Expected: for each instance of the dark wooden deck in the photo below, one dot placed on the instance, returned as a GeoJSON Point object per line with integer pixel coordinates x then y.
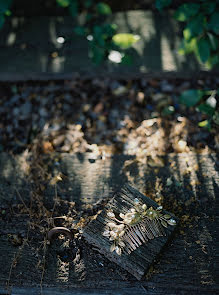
{"type": "Point", "coordinates": [187, 265]}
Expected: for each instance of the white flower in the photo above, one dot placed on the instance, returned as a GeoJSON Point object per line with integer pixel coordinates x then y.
{"type": "Point", "coordinates": [118, 250]}
{"type": "Point", "coordinates": [110, 214]}
{"type": "Point", "coordinates": [121, 233]}
{"type": "Point", "coordinates": [144, 206]}
{"type": "Point", "coordinates": [122, 215]}
{"type": "Point", "coordinates": [113, 234]}
{"type": "Point", "coordinates": [120, 227]}
{"type": "Point", "coordinates": [113, 247]}
{"type": "Point", "coordinates": [106, 233]}
{"type": "Point", "coordinates": [121, 244]}
{"type": "Point", "coordinates": [111, 225]}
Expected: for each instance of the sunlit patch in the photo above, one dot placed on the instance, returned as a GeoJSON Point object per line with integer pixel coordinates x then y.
{"type": "Point", "coordinates": [115, 56]}
{"type": "Point", "coordinates": [60, 40]}
{"type": "Point", "coordinates": [90, 38]}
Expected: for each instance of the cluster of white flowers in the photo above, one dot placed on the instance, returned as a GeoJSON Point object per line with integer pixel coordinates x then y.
{"type": "Point", "coordinates": [115, 231]}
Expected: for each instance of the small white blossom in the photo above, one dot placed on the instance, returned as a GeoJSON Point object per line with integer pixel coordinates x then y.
{"type": "Point", "coordinates": [111, 224]}
{"type": "Point", "coordinates": [106, 233]}
{"type": "Point", "coordinates": [121, 233]}
{"type": "Point", "coordinates": [122, 215]}
{"type": "Point", "coordinates": [118, 250]}
{"type": "Point", "coordinates": [121, 244]}
{"type": "Point", "coordinates": [112, 248]}
{"type": "Point", "coordinates": [110, 214]}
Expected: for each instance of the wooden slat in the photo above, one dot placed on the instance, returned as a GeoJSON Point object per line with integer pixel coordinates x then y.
{"type": "Point", "coordinates": [187, 265]}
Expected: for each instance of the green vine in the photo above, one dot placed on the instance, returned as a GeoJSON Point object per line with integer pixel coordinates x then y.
{"type": "Point", "coordinates": [201, 30]}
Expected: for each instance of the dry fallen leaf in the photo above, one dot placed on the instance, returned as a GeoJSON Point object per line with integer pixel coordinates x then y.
{"type": "Point", "coordinates": [47, 147]}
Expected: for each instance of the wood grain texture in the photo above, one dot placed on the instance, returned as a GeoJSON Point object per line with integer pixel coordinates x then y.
{"type": "Point", "coordinates": [187, 264]}
{"type": "Point", "coordinates": [138, 262]}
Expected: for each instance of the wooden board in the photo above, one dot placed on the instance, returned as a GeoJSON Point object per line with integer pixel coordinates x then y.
{"type": "Point", "coordinates": [186, 266]}
{"type": "Point", "coordinates": [139, 260]}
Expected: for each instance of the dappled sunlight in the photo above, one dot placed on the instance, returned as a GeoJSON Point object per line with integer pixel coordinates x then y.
{"type": "Point", "coordinates": [168, 61]}
{"type": "Point", "coordinates": [11, 39]}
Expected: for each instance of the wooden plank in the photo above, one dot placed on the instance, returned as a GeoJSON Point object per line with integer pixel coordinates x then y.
{"type": "Point", "coordinates": [138, 261]}
{"type": "Point", "coordinates": [187, 265]}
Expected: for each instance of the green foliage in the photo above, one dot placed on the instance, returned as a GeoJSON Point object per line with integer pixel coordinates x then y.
{"type": "Point", "coordinates": [160, 4]}
{"type": "Point", "coordinates": [214, 23]}
{"type": "Point", "coordinates": [63, 3]}
{"type": "Point", "coordinates": [204, 103]}
{"type": "Point", "coordinates": [186, 11]}
{"type": "Point", "coordinates": [103, 8]}
{"type": "Point", "coordinates": [125, 41]}
{"type": "Point", "coordinates": [201, 31]}
{"type": "Point", "coordinates": [191, 97]}
{"type": "Point", "coordinates": [203, 49]}
{"type": "Point", "coordinates": [4, 10]}
{"type": "Point", "coordinates": [101, 35]}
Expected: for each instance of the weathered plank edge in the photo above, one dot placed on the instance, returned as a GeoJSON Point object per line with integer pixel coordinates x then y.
{"type": "Point", "coordinates": [40, 76]}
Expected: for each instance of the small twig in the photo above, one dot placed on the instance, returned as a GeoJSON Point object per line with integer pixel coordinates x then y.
{"type": "Point", "coordinates": [28, 209]}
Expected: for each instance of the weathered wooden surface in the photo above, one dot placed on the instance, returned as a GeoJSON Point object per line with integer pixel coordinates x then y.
{"type": "Point", "coordinates": [188, 265]}
{"type": "Point", "coordinates": [139, 261]}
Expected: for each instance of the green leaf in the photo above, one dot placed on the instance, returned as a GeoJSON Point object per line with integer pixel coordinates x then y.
{"type": "Point", "coordinates": [97, 31]}
{"type": "Point", "coordinates": [206, 109]}
{"type": "Point", "coordinates": [127, 60]}
{"type": "Point", "coordinates": [216, 118]}
{"type": "Point", "coordinates": [97, 54]}
{"type": "Point", "coordinates": [213, 40]}
{"type": "Point", "coordinates": [109, 29]}
{"type": "Point", "coordinates": [125, 40]}
{"type": "Point", "coordinates": [203, 49]}
{"type": "Point", "coordinates": [213, 61]}
{"type": "Point", "coordinates": [103, 8]}
{"type": "Point", "coordinates": [185, 11]}
{"type": "Point", "coordinates": [8, 12]}
{"type": "Point", "coordinates": [80, 31]}
{"type": "Point", "coordinates": [214, 22]}
{"type": "Point", "coordinates": [73, 8]}
{"type": "Point", "coordinates": [196, 25]}
{"type": "Point", "coordinates": [208, 7]}
{"type": "Point", "coordinates": [63, 3]}
{"type": "Point", "coordinates": [191, 97]}
{"type": "Point", "coordinates": [187, 34]}
{"type": "Point", "coordinates": [4, 5]}
{"type": "Point", "coordinates": [205, 124]}
{"type": "Point", "coordinates": [88, 3]}
{"type": "Point", "coordinates": [160, 4]}
{"type": "Point", "coordinates": [168, 110]}
{"type": "Point", "coordinates": [187, 46]}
